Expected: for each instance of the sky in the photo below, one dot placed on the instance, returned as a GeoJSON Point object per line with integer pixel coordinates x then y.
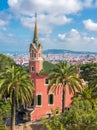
{"type": "Point", "coordinates": [62, 24]}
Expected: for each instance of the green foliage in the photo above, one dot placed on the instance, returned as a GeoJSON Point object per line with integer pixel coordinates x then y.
{"type": "Point", "coordinates": [47, 67]}
{"type": "Point", "coordinates": [64, 75]}
{"type": "Point", "coordinates": [88, 93]}
{"type": "Point", "coordinates": [18, 80]}
{"type": "Point", "coordinates": [2, 126]}
{"type": "Point", "coordinates": [5, 62]}
{"type": "Point", "coordinates": [89, 71]}
{"type": "Point", "coordinates": [53, 123]}
{"type": "Point", "coordinates": [5, 112]}
{"type": "Point", "coordinates": [81, 116]}
{"type": "Point", "coordinates": [26, 68]}
{"type": "Point", "coordinates": [5, 109]}
{"type": "Point", "coordinates": [16, 83]}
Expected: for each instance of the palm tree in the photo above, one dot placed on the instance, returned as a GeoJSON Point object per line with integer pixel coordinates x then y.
{"type": "Point", "coordinates": [16, 83]}
{"type": "Point", "coordinates": [64, 75]}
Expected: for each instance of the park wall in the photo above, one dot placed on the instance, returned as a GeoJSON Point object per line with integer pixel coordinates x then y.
{"type": "Point", "coordinates": [29, 126]}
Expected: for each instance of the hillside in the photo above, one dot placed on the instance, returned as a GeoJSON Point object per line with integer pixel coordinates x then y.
{"type": "Point", "coordinates": [62, 51]}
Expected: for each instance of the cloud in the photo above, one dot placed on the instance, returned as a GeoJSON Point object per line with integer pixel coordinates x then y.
{"type": "Point", "coordinates": [11, 43]}
{"type": "Point", "coordinates": [49, 6]}
{"type": "Point", "coordinates": [45, 22]}
{"type": "Point", "coordinates": [3, 23]}
{"type": "Point", "coordinates": [70, 37]}
{"type": "Point", "coordinates": [50, 12]}
{"type": "Point", "coordinates": [74, 40]}
{"type": "Point", "coordinates": [90, 25]}
{"type": "Point", "coordinates": [88, 3]}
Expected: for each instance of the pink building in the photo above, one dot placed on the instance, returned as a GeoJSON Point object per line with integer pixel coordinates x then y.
{"type": "Point", "coordinates": [43, 102]}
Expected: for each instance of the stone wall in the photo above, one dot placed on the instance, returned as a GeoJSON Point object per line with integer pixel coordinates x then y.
{"type": "Point", "coordinates": [30, 126]}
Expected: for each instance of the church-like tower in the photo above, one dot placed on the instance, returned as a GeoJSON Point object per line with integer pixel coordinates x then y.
{"type": "Point", "coordinates": [36, 60]}
{"type": "Point", "coordinates": [43, 102]}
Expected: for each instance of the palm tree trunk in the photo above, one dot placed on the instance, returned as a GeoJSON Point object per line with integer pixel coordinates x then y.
{"type": "Point", "coordinates": [63, 100]}
{"type": "Point", "coordinates": [13, 111]}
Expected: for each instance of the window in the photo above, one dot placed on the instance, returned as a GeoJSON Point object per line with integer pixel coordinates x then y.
{"type": "Point", "coordinates": [32, 68]}
{"type": "Point", "coordinates": [32, 103]}
{"type": "Point", "coordinates": [48, 115]}
{"type": "Point", "coordinates": [33, 54]}
{"type": "Point", "coordinates": [38, 100]}
{"type": "Point", "coordinates": [51, 99]}
{"type": "Point", "coordinates": [46, 81]}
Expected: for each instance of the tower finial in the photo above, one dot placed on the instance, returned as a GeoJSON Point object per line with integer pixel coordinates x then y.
{"type": "Point", "coordinates": [35, 16]}
{"type": "Point", "coordinates": [35, 38]}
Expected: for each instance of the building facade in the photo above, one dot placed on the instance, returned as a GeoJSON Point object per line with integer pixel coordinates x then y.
{"type": "Point", "coordinates": [43, 102]}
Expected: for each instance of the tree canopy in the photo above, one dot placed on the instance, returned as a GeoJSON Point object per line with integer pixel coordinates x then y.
{"type": "Point", "coordinates": [16, 84]}
{"type": "Point", "coordinates": [63, 75]}
{"type": "Point", "coordinates": [89, 71]}
{"type": "Point", "coordinates": [47, 67]}
{"type": "Point", "coordinates": [5, 62]}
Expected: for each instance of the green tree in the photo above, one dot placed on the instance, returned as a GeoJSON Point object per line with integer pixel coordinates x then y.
{"type": "Point", "coordinates": [16, 84]}
{"type": "Point", "coordinates": [47, 67]}
{"type": "Point", "coordinates": [4, 113]}
{"type": "Point", "coordinates": [88, 93]}
{"type": "Point", "coordinates": [88, 73]}
{"type": "Point", "coordinates": [54, 123]}
{"type": "Point", "coordinates": [81, 116]}
{"type": "Point", "coordinates": [64, 75]}
{"type": "Point", "coordinates": [5, 62]}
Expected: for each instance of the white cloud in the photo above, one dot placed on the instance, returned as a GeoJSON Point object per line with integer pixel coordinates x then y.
{"type": "Point", "coordinates": [90, 25]}
{"type": "Point", "coordinates": [88, 3]}
{"type": "Point", "coordinates": [74, 40]}
{"type": "Point", "coordinates": [51, 13]}
{"type": "Point", "coordinates": [61, 36]}
{"type": "Point", "coordinates": [49, 6]}
{"type": "Point", "coordinates": [45, 22]}
{"type": "Point", "coordinates": [70, 37]}
{"type": "Point", "coordinates": [3, 23]}
{"type": "Point", "coordinates": [11, 43]}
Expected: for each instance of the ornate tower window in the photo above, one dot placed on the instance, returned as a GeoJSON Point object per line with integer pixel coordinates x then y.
{"type": "Point", "coordinates": [32, 69]}
{"type": "Point", "coordinates": [33, 54]}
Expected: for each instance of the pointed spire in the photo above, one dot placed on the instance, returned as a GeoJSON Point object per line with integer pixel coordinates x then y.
{"type": "Point", "coordinates": [35, 38]}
